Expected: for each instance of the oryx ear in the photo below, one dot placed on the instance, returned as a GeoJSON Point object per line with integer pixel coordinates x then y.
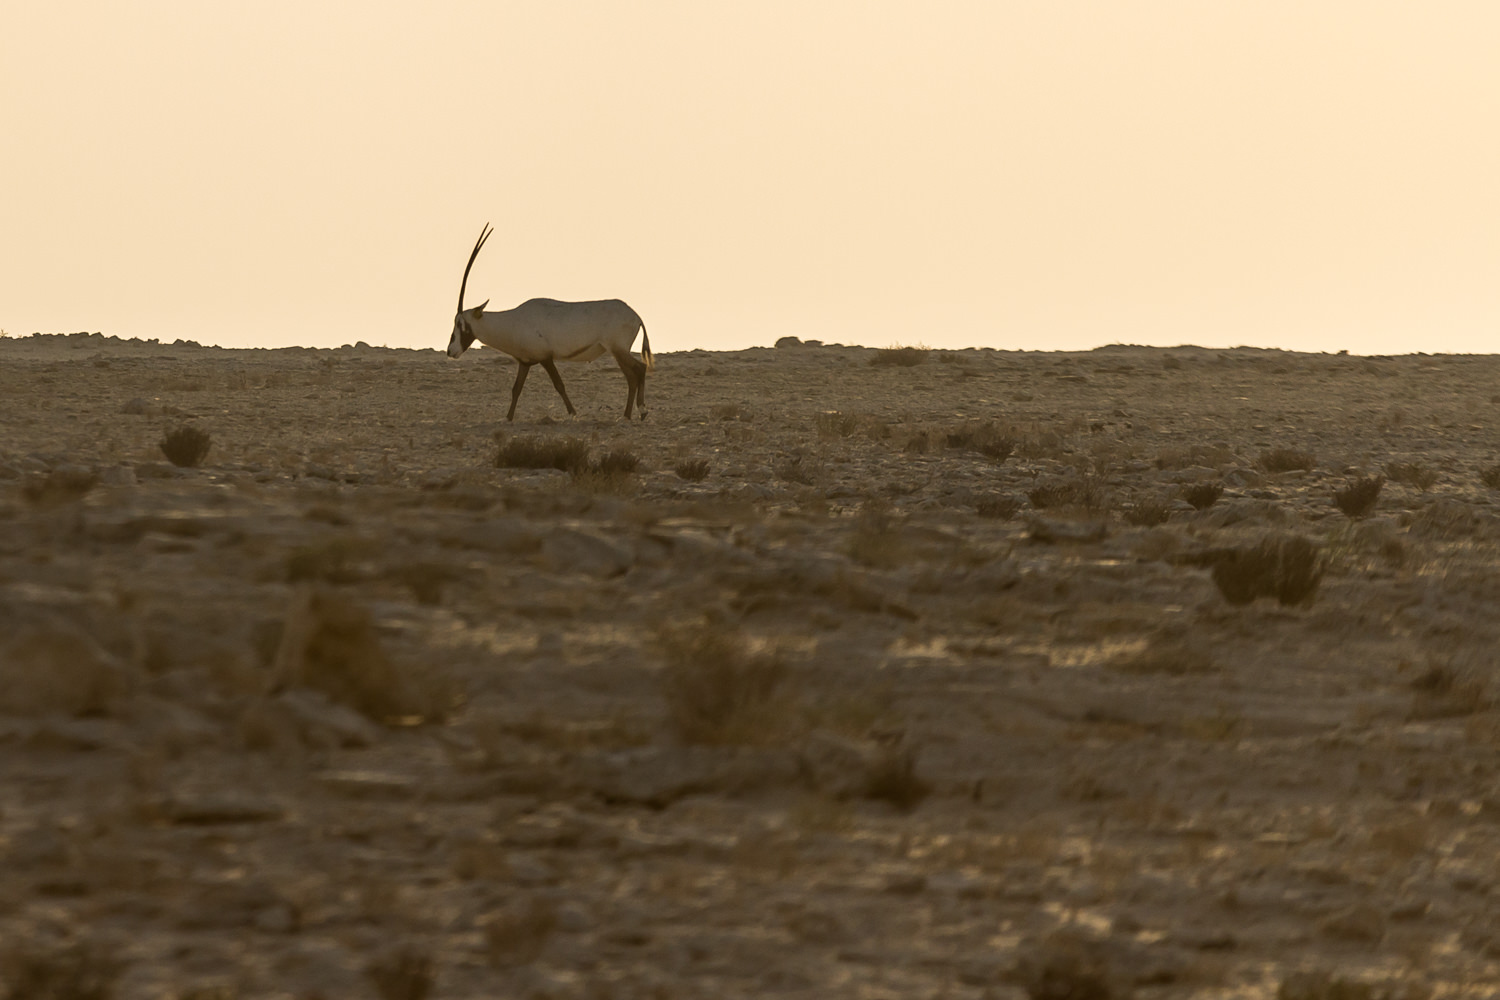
{"type": "Point", "coordinates": [479, 309]}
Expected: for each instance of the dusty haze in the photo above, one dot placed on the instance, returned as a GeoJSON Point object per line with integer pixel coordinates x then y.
{"type": "Point", "coordinates": [1014, 175]}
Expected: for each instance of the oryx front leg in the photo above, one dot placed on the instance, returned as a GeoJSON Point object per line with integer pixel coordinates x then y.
{"type": "Point", "coordinates": [522, 368]}
{"type": "Point", "coordinates": [557, 381]}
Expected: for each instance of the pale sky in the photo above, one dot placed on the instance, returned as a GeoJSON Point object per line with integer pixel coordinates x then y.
{"type": "Point", "coordinates": [1308, 174]}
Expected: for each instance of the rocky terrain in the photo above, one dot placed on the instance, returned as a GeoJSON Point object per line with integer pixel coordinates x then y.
{"type": "Point", "coordinates": [847, 673]}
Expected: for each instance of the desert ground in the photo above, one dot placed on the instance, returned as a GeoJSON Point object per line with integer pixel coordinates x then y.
{"type": "Point", "coordinates": [846, 673]}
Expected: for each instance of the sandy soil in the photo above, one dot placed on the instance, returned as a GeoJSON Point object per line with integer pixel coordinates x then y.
{"type": "Point", "coordinates": [348, 711]}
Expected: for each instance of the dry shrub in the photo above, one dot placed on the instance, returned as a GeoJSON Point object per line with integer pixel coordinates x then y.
{"type": "Point", "coordinates": [717, 690]}
{"type": "Point", "coordinates": [61, 485]}
{"type": "Point", "coordinates": [75, 972]}
{"type": "Point", "coordinates": [1044, 443]}
{"type": "Point", "coordinates": [405, 974]}
{"type": "Point", "coordinates": [609, 473]}
{"type": "Point", "coordinates": [1049, 495]}
{"type": "Point", "coordinates": [1087, 491]}
{"type": "Point", "coordinates": [1275, 460]}
{"type": "Point", "coordinates": [566, 453]}
{"type": "Point", "coordinates": [877, 540]}
{"type": "Point", "coordinates": [1210, 456]}
{"type": "Point", "coordinates": [1001, 508]}
{"type": "Point", "coordinates": [1203, 495]}
{"type": "Point", "coordinates": [1357, 498]}
{"type": "Point", "coordinates": [1147, 512]}
{"type": "Point", "coordinates": [1445, 691]}
{"type": "Point", "coordinates": [1450, 519]}
{"type": "Point", "coordinates": [1490, 477]}
{"type": "Point", "coordinates": [186, 446]}
{"type": "Point", "coordinates": [1286, 567]}
{"type": "Point", "coordinates": [901, 357]}
{"type": "Point", "coordinates": [987, 439]}
{"type": "Point", "coordinates": [800, 467]}
{"type": "Point", "coordinates": [330, 644]}
{"type": "Point", "coordinates": [694, 470]}
{"type": "Point", "coordinates": [1417, 474]}
{"type": "Point", "coordinates": [834, 423]}
{"type": "Point", "coordinates": [894, 779]}
{"type": "Point", "coordinates": [517, 935]}
{"type": "Point", "coordinates": [614, 463]}
{"type": "Point", "coordinates": [728, 411]}
{"type": "Point", "coordinates": [1069, 966]}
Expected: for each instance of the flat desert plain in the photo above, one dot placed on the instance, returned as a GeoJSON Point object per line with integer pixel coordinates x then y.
{"type": "Point", "coordinates": [964, 674]}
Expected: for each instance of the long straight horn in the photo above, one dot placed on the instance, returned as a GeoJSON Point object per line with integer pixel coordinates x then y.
{"type": "Point", "coordinates": [484, 235]}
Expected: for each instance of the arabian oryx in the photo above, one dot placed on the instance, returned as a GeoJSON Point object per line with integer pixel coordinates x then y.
{"type": "Point", "coordinates": [545, 331]}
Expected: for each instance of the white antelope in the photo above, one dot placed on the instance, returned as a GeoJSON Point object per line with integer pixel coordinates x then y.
{"type": "Point", "coordinates": [544, 331]}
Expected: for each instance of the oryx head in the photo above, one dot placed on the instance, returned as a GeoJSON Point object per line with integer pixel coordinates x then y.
{"type": "Point", "coordinates": [463, 322]}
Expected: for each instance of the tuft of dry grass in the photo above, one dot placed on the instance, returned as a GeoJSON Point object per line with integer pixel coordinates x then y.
{"type": "Point", "coordinates": [717, 690]}
{"type": "Point", "coordinates": [330, 644]}
{"type": "Point", "coordinates": [1147, 512]}
{"type": "Point", "coordinates": [59, 486]}
{"type": "Point", "coordinates": [901, 357]}
{"type": "Point", "coordinates": [800, 467]}
{"type": "Point", "coordinates": [986, 438]}
{"type": "Point", "coordinates": [1284, 566]}
{"type": "Point", "coordinates": [1417, 474]}
{"type": "Point", "coordinates": [693, 470]}
{"type": "Point", "coordinates": [1443, 691]}
{"type": "Point", "coordinates": [609, 473]}
{"type": "Point", "coordinates": [1001, 508]}
{"type": "Point", "coordinates": [404, 974]}
{"type": "Point", "coordinates": [1067, 966]}
{"type": "Point", "coordinates": [1276, 460]}
{"type": "Point", "coordinates": [566, 453]}
{"type": "Point", "coordinates": [893, 778]}
{"type": "Point", "coordinates": [1049, 495]}
{"type": "Point", "coordinates": [1203, 495]}
{"type": "Point", "coordinates": [1209, 456]}
{"type": "Point", "coordinates": [186, 446]}
{"type": "Point", "coordinates": [1357, 498]}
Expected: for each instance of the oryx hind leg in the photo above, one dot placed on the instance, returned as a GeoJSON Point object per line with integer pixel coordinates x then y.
{"type": "Point", "coordinates": [635, 379]}
{"type": "Point", "coordinates": [551, 368]}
